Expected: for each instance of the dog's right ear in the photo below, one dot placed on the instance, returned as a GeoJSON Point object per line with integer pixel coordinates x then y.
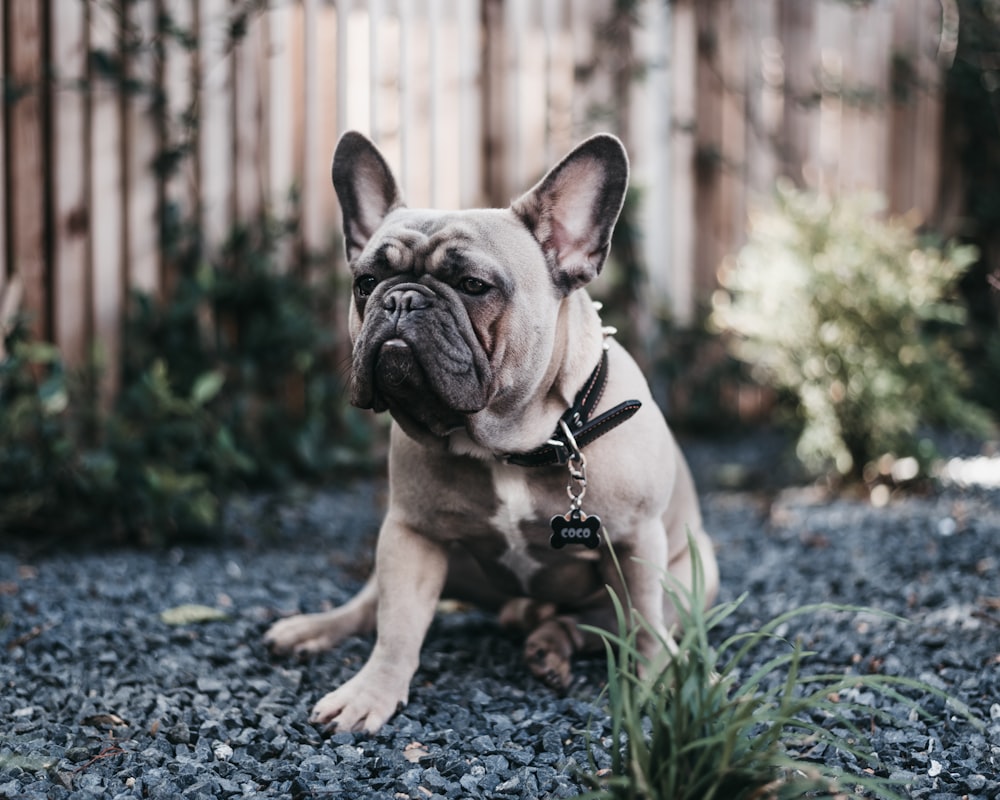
{"type": "Point", "coordinates": [365, 188]}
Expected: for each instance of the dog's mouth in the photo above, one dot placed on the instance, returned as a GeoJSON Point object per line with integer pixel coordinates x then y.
{"type": "Point", "coordinates": [399, 384]}
{"type": "Point", "coordinates": [397, 370]}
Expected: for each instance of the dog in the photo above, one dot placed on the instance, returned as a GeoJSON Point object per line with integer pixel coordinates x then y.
{"type": "Point", "coordinates": [511, 404]}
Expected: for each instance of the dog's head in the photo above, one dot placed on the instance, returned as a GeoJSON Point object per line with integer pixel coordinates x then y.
{"type": "Point", "coordinates": [453, 313]}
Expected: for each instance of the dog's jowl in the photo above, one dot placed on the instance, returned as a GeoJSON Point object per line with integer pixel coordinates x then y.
{"type": "Point", "coordinates": [473, 329]}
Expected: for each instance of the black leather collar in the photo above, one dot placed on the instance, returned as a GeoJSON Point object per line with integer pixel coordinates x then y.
{"type": "Point", "coordinates": [577, 418]}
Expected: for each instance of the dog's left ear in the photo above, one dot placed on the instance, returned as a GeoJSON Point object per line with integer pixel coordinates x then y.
{"type": "Point", "coordinates": [573, 209]}
{"type": "Point", "coordinates": [365, 188]}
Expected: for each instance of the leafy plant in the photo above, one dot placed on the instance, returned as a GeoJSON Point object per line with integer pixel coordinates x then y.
{"type": "Point", "coordinates": [152, 469]}
{"type": "Point", "coordinates": [272, 334]}
{"type": "Point", "coordinates": [711, 724]}
{"type": "Point", "coordinates": [848, 312]}
{"type": "Point", "coordinates": [228, 382]}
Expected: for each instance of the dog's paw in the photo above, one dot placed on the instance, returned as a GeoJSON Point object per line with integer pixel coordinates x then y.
{"type": "Point", "coordinates": [304, 634]}
{"type": "Point", "coordinates": [358, 705]}
{"type": "Point", "coordinates": [548, 651]}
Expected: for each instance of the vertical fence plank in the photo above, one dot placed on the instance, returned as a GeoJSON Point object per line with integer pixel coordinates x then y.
{"type": "Point", "coordinates": [866, 44]}
{"type": "Point", "coordinates": [765, 77]}
{"type": "Point", "coordinates": [342, 75]}
{"type": "Point", "coordinates": [71, 219]}
{"type": "Point", "coordinates": [407, 101]}
{"type": "Point", "coordinates": [654, 172]}
{"type": "Point", "coordinates": [142, 252]}
{"type": "Point", "coordinates": [249, 124]}
{"type": "Point", "coordinates": [27, 178]}
{"type": "Point", "coordinates": [928, 119]}
{"type": "Point", "coordinates": [515, 23]}
{"type": "Point", "coordinates": [469, 104]}
{"type": "Point", "coordinates": [731, 214]}
{"type": "Point", "coordinates": [434, 105]}
{"type": "Point", "coordinates": [709, 157]}
{"type": "Point", "coordinates": [178, 136]}
{"type": "Point", "coordinates": [385, 112]}
{"type": "Point", "coordinates": [215, 121]}
{"type": "Point", "coordinates": [311, 116]}
{"type": "Point", "coordinates": [560, 105]}
{"type": "Point", "coordinates": [376, 23]}
{"type": "Point", "coordinates": [106, 200]}
{"type": "Point", "coordinates": [494, 143]}
{"type": "Point", "coordinates": [796, 25]}
{"type": "Point", "coordinates": [834, 107]}
{"type": "Point", "coordinates": [279, 109]}
{"type": "Point", "coordinates": [684, 29]}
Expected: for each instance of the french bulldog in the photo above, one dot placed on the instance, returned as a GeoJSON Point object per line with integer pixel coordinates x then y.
{"type": "Point", "coordinates": [510, 404]}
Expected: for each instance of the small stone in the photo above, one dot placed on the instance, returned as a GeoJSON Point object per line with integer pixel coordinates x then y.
{"type": "Point", "coordinates": [222, 751]}
{"type": "Point", "coordinates": [349, 752]}
{"type": "Point", "coordinates": [509, 785]}
{"type": "Point", "coordinates": [179, 734]}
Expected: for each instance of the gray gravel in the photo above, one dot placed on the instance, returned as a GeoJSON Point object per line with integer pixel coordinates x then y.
{"type": "Point", "coordinates": [101, 698]}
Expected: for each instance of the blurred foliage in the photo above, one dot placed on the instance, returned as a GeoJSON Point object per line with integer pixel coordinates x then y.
{"type": "Point", "coordinates": [273, 335]}
{"type": "Point", "coordinates": [972, 150]}
{"type": "Point", "coordinates": [228, 383]}
{"type": "Point", "coordinates": [155, 470]}
{"type": "Point", "coordinates": [849, 313]}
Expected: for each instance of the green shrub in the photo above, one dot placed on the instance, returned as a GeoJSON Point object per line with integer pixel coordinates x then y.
{"type": "Point", "coordinates": [153, 469]}
{"type": "Point", "coordinates": [272, 333]}
{"type": "Point", "coordinates": [848, 312]}
{"type": "Point", "coordinates": [228, 383]}
{"type": "Point", "coordinates": [713, 723]}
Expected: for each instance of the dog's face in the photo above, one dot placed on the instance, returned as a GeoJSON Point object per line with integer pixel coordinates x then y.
{"type": "Point", "coordinates": [453, 313]}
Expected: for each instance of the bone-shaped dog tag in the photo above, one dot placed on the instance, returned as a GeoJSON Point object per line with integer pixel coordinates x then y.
{"type": "Point", "coordinates": [575, 527]}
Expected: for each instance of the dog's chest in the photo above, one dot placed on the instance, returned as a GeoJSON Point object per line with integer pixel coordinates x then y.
{"type": "Point", "coordinates": [515, 507]}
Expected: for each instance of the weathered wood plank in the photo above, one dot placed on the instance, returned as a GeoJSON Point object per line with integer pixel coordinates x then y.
{"type": "Point", "coordinates": [709, 157]}
{"type": "Point", "coordinates": [928, 122]}
{"type": "Point", "coordinates": [311, 115]}
{"type": "Point", "coordinates": [796, 148]}
{"type": "Point", "coordinates": [27, 161]}
{"type": "Point", "coordinates": [683, 164]}
{"type": "Point", "coordinates": [278, 110]}
{"type": "Point", "coordinates": [494, 142]}
{"type": "Point", "coordinates": [249, 122]}
{"type": "Point", "coordinates": [107, 207]}
{"type": "Point", "coordinates": [142, 146]}
{"type": "Point", "coordinates": [731, 214]}
{"type": "Point", "coordinates": [178, 73]}
{"type": "Point", "coordinates": [765, 77]}
{"type": "Point", "coordinates": [470, 105]}
{"type": "Point", "coordinates": [867, 66]}
{"type": "Point", "coordinates": [71, 216]}
{"type": "Point", "coordinates": [216, 169]}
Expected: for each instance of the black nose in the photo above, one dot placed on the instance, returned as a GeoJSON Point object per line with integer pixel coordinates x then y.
{"type": "Point", "coordinates": [406, 299]}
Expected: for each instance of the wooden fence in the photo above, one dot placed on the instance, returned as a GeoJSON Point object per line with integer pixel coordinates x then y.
{"type": "Point", "coordinates": [470, 100]}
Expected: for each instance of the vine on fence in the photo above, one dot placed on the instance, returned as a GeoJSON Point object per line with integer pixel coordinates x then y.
{"type": "Point", "coordinates": [230, 381]}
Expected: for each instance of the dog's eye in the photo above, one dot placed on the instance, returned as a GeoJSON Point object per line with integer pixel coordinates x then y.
{"type": "Point", "coordinates": [473, 286]}
{"type": "Point", "coordinates": [365, 285]}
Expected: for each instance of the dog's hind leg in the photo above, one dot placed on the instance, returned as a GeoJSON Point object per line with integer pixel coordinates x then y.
{"type": "Point", "coordinates": [553, 638]}
{"type": "Point", "coordinates": [312, 633]}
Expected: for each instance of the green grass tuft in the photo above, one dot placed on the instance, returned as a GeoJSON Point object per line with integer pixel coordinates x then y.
{"type": "Point", "coordinates": [710, 725]}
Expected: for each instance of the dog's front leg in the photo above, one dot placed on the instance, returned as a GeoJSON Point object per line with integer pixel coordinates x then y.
{"type": "Point", "coordinates": [643, 578]}
{"type": "Point", "coordinates": [410, 571]}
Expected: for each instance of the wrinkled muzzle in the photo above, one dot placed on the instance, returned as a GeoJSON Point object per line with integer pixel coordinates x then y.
{"type": "Point", "coordinates": [418, 355]}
